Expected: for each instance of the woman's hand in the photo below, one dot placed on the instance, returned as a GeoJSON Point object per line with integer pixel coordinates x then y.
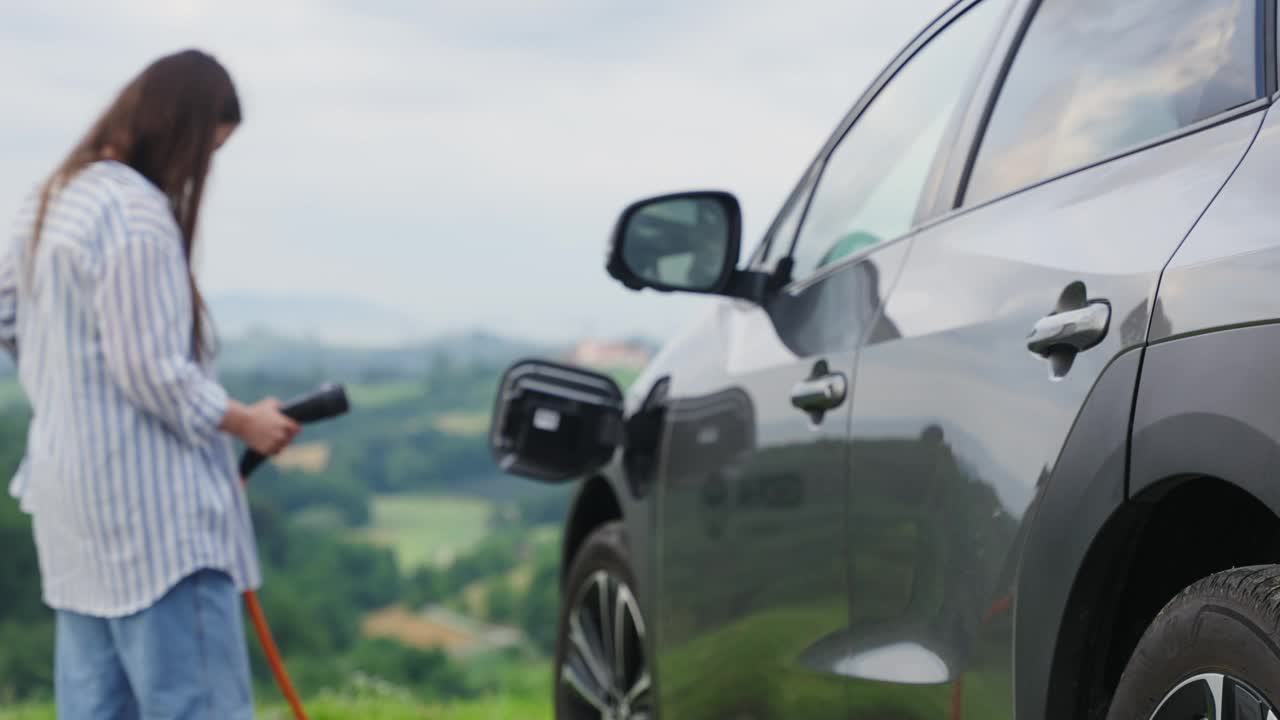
{"type": "Point", "coordinates": [261, 425]}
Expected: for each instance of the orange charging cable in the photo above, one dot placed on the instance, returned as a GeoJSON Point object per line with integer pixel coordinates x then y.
{"type": "Point", "coordinates": [325, 402]}
{"type": "Point", "coordinates": [272, 653]}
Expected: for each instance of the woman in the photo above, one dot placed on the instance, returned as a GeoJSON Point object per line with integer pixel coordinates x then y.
{"type": "Point", "coordinates": [140, 522]}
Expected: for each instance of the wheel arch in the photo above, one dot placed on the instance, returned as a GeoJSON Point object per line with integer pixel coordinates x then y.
{"type": "Point", "coordinates": [595, 504]}
{"type": "Point", "coordinates": [1202, 494]}
{"type": "Point", "coordinates": [1145, 553]}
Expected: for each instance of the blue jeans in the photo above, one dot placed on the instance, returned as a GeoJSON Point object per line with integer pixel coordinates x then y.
{"type": "Point", "coordinates": [183, 658]}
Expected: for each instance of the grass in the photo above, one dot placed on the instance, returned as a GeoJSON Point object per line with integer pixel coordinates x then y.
{"type": "Point", "coordinates": [28, 712]}
{"type": "Point", "coordinates": [524, 694]}
{"type": "Point", "coordinates": [393, 709]}
{"type": "Point", "coordinates": [340, 707]}
{"type": "Point", "coordinates": [427, 529]}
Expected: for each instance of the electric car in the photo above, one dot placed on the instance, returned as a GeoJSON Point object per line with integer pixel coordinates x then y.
{"type": "Point", "coordinates": [986, 426]}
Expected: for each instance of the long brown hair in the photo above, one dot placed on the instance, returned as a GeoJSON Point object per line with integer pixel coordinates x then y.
{"type": "Point", "coordinates": [163, 126]}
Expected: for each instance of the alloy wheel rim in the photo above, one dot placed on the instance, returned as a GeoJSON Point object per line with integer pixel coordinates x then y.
{"type": "Point", "coordinates": [604, 672]}
{"type": "Point", "coordinates": [1214, 696]}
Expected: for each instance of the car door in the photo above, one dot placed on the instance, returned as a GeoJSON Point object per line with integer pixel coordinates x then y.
{"type": "Point", "coordinates": [752, 500]}
{"type": "Point", "coordinates": [1112, 129]}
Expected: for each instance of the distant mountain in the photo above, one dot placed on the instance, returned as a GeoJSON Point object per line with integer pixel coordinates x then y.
{"type": "Point", "coordinates": [351, 339]}
{"type": "Point", "coordinates": [266, 353]}
{"type": "Point", "coordinates": [333, 320]}
{"type": "Point", "coordinates": [342, 337]}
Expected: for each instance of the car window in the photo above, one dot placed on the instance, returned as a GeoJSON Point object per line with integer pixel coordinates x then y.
{"type": "Point", "coordinates": [871, 184]}
{"type": "Point", "coordinates": [1094, 77]}
{"type": "Point", "coordinates": [778, 240]}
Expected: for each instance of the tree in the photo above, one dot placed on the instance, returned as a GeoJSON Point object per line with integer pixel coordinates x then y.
{"type": "Point", "coordinates": [502, 601]}
{"type": "Point", "coordinates": [426, 586]}
{"type": "Point", "coordinates": [539, 613]}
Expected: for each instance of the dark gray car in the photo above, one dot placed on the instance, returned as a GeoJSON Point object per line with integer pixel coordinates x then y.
{"type": "Point", "coordinates": [988, 425]}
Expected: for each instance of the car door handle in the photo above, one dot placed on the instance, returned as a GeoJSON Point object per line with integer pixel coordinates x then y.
{"type": "Point", "coordinates": [819, 394]}
{"type": "Point", "coordinates": [1072, 330]}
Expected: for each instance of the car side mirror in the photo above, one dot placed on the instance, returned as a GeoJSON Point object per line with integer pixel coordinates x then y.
{"type": "Point", "coordinates": [553, 422]}
{"type": "Point", "coordinates": [686, 242]}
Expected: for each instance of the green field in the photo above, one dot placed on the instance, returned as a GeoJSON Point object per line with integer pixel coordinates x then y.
{"type": "Point", "coordinates": [427, 529]}
{"type": "Point", "coordinates": [391, 709]}
{"type": "Point", "coordinates": [368, 396]}
{"type": "Point", "coordinates": [372, 708]}
{"type": "Point", "coordinates": [524, 697]}
{"type": "Point", "coordinates": [465, 424]}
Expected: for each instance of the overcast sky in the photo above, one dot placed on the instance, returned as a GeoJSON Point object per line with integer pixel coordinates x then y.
{"type": "Point", "coordinates": [461, 162]}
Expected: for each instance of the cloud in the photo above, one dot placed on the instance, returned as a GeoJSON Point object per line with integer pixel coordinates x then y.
{"type": "Point", "coordinates": [463, 161]}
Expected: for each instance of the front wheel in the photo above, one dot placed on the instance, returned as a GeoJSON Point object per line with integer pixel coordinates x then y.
{"type": "Point", "coordinates": [602, 670]}
{"type": "Point", "coordinates": [1213, 653]}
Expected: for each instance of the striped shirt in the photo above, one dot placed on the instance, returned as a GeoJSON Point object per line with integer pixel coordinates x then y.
{"type": "Point", "coordinates": [129, 483]}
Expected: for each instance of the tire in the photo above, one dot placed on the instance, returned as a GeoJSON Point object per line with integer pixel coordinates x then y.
{"type": "Point", "coordinates": [594, 678]}
{"type": "Point", "coordinates": [1223, 631]}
